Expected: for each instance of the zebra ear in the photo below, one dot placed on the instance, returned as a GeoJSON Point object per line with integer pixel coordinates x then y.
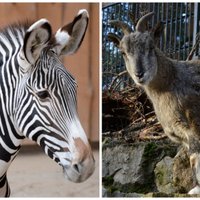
{"type": "Point", "coordinates": [35, 39]}
{"type": "Point", "coordinates": [69, 38]}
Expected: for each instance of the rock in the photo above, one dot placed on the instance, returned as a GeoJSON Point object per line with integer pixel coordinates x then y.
{"type": "Point", "coordinates": [105, 170]}
{"type": "Point", "coordinates": [133, 195]}
{"type": "Point", "coordinates": [164, 175]}
{"type": "Point", "coordinates": [174, 175]}
{"type": "Point", "coordinates": [104, 192]}
{"type": "Point", "coordinates": [121, 194]}
{"type": "Point", "coordinates": [158, 194]}
{"type": "Point", "coordinates": [161, 194]}
{"type": "Point", "coordinates": [129, 168]}
{"type": "Point", "coordinates": [118, 194]}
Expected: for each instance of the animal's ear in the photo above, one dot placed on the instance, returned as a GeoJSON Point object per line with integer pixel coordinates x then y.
{"type": "Point", "coordinates": [36, 38]}
{"type": "Point", "coordinates": [114, 38]}
{"type": "Point", "coordinates": [69, 38]}
{"type": "Point", "coordinates": [158, 30]}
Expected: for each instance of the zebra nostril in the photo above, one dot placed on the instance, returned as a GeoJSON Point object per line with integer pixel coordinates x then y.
{"type": "Point", "coordinates": [76, 167]}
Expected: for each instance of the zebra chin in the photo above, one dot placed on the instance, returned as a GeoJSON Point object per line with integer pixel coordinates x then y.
{"type": "Point", "coordinates": [79, 165]}
{"type": "Point", "coordinates": [78, 172]}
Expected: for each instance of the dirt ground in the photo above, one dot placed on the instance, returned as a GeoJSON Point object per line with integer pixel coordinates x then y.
{"type": "Point", "coordinates": [33, 174]}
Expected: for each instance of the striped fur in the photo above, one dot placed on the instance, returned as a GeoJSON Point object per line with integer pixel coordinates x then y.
{"type": "Point", "coordinates": [38, 101]}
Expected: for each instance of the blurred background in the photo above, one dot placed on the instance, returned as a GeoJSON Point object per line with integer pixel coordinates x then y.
{"type": "Point", "coordinates": [84, 66]}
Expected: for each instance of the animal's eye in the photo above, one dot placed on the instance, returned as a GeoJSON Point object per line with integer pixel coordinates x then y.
{"type": "Point", "coordinates": [43, 94]}
{"type": "Point", "coordinates": [123, 53]}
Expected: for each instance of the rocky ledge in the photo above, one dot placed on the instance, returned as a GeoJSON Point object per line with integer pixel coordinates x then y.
{"type": "Point", "coordinates": [146, 169]}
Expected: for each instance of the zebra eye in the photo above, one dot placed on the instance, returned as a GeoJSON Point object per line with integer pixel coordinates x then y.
{"type": "Point", "coordinates": [43, 94]}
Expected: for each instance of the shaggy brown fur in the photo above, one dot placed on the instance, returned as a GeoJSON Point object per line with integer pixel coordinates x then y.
{"type": "Point", "coordinates": [173, 87]}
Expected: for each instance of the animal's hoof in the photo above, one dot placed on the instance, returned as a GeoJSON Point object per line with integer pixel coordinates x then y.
{"type": "Point", "coordinates": [195, 190]}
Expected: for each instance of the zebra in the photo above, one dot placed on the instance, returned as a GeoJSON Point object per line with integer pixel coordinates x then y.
{"type": "Point", "coordinates": [39, 96]}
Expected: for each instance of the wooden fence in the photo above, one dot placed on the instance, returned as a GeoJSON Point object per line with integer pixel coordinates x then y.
{"type": "Point", "coordinates": [84, 65]}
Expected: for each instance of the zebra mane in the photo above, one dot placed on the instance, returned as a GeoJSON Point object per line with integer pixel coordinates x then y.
{"type": "Point", "coordinates": [15, 28]}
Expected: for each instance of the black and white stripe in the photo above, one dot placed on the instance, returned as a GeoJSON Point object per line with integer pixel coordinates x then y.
{"type": "Point", "coordinates": [37, 95]}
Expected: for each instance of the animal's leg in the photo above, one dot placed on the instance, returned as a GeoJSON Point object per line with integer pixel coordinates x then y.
{"type": "Point", "coordinates": [195, 165]}
{"type": "Point", "coordinates": [194, 150]}
{"type": "Point", "coordinates": [4, 187]}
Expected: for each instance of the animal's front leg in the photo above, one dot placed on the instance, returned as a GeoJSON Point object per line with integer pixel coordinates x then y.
{"type": "Point", "coordinates": [4, 186]}
{"type": "Point", "coordinates": [195, 165]}
{"type": "Point", "coordinates": [194, 151]}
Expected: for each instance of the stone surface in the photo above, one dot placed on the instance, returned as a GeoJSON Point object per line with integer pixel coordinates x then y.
{"type": "Point", "coordinates": [129, 168]}
{"type": "Point", "coordinates": [106, 193]}
{"type": "Point", "coordinates": [174, 175]}
{"type": "Point", "coordinates": [164, 175]}
{"type": "Point", "coordinates": [161, 194]}
{"type": "Point", "coordinates": [152, 167]}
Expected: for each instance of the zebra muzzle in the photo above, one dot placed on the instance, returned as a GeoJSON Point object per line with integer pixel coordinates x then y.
{"type": "Point", "coordinates": [79, 164]}
{"type": "Point", "coordinates": [79, 171]}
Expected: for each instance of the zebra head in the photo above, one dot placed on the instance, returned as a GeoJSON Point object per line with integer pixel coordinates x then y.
{"type": "Point", "coordinates": [46, 107]}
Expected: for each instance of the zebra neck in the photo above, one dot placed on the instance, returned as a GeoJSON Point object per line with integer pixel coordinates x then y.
{"type": "Point", "coordinates": [5, 161]}
{"type": "Point", "coordinates": [4, 186]}
{"type": "Point", "coordinates": [11, 42]}
{"type": "Point", "coordinates": [6, 158]}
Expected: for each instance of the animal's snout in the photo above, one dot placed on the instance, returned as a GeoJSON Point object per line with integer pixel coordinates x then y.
{"type": "Point", "coordinates": [139, 74]}
{"type": "Point", "coordinates": [77, 167]}
{"type": "Point", "coordinates": [83, 163]}
{"type": "Point", "coordinates": [80, 171]}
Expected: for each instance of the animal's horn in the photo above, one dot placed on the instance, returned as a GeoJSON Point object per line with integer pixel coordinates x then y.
{"type": "Point", "coordinates": [132, 17]}
{"type": "Point", "coordinates": [142, 22]}
{"type": "Point", "coordinates": [125, 27]}
{"type": "Point", "coordinates": [114, 38]}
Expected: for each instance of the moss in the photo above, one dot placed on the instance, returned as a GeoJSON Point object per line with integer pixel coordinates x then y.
{"type": "Point", "coordinates": [150, 149]}
{"type": "Point", "coordinates": [108, 184]}
{"type": "Point", "coordinates": [133, 188]}
{"type": "Point", "coordinates": [170, 149]}
{"type": "Point", "coordinates": [112, 189]}
{"type": "Point", "coordinates": [153, 152]}
{"type": "Point", "coordinates": [112, 186]}
{"type": "Point", "coordinates": [160, 177]}
{"type": "Point", "coordinates": [108, 181]}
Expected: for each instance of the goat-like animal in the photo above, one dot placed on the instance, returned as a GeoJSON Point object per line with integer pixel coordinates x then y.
{"type": "Point", "coordinates": [173, 86]}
